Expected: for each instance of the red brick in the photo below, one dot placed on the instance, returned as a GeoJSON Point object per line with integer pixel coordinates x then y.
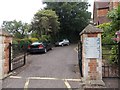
{"type": "Point", "coordinates": [102, 12]}
{"type": "Point", "coordinates": [92, 68]}
{"type": "Point", "coordinates": [92, 35]}
{"type": "Point", "coordinates": [6, 54]}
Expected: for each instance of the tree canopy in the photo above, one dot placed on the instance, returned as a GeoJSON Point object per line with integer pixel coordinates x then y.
{"type": "Point", "coordinates": [17, 28]}
{"type": "Point", "coordinates": [73, 17]}
{"type": "Point", "coordinates": [109, 30]}
{"type": "Point", "coordinates": [57, 21]}
{"type": "Point", "coordinates": [114, 16]}
{"type": "Point", "coordinates": [45, 22]}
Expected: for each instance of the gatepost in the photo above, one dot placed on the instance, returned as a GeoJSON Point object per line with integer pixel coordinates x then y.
{"type": "Point", "coordinates": [5, 39]}
{"type": "Point", "coordinates": [91, 56]}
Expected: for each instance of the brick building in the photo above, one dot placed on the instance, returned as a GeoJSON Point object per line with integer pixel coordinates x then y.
{"type": "Point", "coordinates": [100, 11]}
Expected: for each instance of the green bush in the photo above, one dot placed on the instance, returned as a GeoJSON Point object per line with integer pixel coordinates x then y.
{"type": "Point", "coordinates": [107, 35]}
{"type": "Point", "coordinates": [14, 42]}
{"type": "Point", "coordinates": [33, 40]}
{"type": "Point", "coordinates": [45, 38]}
{"type": "Point", "coordinates": [27, 41]}
{"type": "Point", "coordinates": [113, 56]}
{"type": "Point", "coordinates": [21, 41]}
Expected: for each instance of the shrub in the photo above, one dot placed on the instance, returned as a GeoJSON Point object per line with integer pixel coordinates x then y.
{"type": "Point", "coordinates": [107, 35]}
{"type": "Point", "coordinates": [33, 40]}
{"type": "Point", "coordinates": [14, 42]}
{"type": "Point", "coordinates": [21, 41]}
{"type": "Point", "coordinates": [45, 38]}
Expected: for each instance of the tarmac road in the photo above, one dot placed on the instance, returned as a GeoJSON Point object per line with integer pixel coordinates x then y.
{"type": "Point", "coordinates": [56, 69]}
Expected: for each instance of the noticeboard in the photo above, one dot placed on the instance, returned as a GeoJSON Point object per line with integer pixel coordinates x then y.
{"type": "Point", "coordinates": [92, 47]}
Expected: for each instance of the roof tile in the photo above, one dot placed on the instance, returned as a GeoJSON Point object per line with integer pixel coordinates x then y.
{"type": "Point", "coordinates": [91, 29]}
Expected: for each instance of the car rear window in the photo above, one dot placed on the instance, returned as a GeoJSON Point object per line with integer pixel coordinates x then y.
{"type": "Point", "coordinates": [35, 43]}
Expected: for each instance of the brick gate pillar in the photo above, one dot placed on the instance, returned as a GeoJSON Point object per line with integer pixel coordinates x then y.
{"type": "Point", "coordinates": [5, 39]}
{"type": "Point", "coordinates": [91, 53]}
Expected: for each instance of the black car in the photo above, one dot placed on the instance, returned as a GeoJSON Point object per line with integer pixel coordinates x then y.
{"type": "Point", "coordinates": [39, 47]}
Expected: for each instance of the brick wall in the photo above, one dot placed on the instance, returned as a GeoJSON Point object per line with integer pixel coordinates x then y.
{"type": "Point", "coordinates": [115, 4]}
{"type": "Point", "coordinates": [102, 12]}
{"type": "Point", "coordinates": [5, 39]}
{"type": "Point", "coordinates": [99, 14]}
{"type": "Point", "coordinates": [93, 69]}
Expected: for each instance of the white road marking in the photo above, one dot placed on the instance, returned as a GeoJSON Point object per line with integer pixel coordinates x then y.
{"type": "Point", "coordinates": [16, 77]}
{"type": "Point", "coordinates": [48, 78]}
{"type": "Point", "coordinates": [76, 80]}
{"type": "Point", "coordinates": [67, 85]}
{"type": "Point", "coordinates": [44, 78]}
{"type": "Point", "coordinates": [26, 84]}
{"type": "Point", "coordinates": [76, 49]}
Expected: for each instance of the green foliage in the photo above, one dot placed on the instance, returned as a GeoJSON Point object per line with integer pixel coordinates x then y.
{"type": "Point", "coordinates": [21, 44]}
{"type": "Point", "coordinates": [33, 40]}
{"type": "Point", "coordinates": [114, 15]}
{"type": "Point", "coordinates": [16, 28]}
{"type": "Point", "coordinates": [21, 41]}
{"type": "Point", "coordinates": [110, 53]}
{"type": "Point", "coordinates": [45, 38]}
{"type": "Point", "coordinates": [108, 33]}
{"type": "Point", "coordinates": [113, 57]}
{"type": "Point", "coordinates": [14, 42]}
{"type": "Point", "coordinates": [45, 22]}
{"type": "Point", "coordinates": [109, 30]}
{"type": "Point", "coordinates": [73, 17]}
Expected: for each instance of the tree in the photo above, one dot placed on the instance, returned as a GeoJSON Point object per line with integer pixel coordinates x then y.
{"type": "Point", "coordinates": [108, 33]}
{"type": "Point", "coordinates": [45, 22]}
{"type": "Point", "coordinates": [73, 17]}
{"type": "Point", "coordinates": [114, 16]}
{"type": "Point", "coordinates": [16, 28]}
{"type": "Point", "coordinates": [109, 30]}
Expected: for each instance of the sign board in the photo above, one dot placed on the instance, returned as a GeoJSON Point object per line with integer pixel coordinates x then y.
{"type": "Point", "coordinates": [92, 47]}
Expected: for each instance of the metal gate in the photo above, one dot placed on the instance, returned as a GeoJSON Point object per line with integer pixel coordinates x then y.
{"type": "Point", "coordinates": [110, 53]}
{"type": "Point", "coordinates": [80, 57]}
{"type": "Point", "coordinates": [17, 56]}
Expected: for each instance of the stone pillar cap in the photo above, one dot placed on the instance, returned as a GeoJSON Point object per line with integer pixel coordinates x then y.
{"type": "Point", "coordinates": [91, 29]}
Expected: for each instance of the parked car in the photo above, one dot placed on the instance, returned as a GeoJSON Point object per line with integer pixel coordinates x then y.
{"type": "Point", "coordinates": [62, 42]}
{"type": "Point", "coordinates": [39, 47]}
